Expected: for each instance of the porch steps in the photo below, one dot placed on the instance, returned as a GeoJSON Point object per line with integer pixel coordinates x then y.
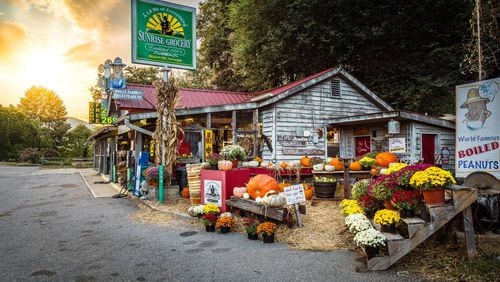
{"type": "Point", "coordinates": [418, 230]}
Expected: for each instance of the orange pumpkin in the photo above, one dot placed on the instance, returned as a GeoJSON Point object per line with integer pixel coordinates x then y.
{"type": "Point", "coordinates": [260, 184]}
{"type": "Point", "coordinates": [306, 161]}
{"type": "Point", "coordinates": [385, 158]}
{"type": "Point", "coordinates": [185, 192]}
{"type": "Point", "coordinates": [337, 163]}
{"type": "Point", "coordinates": [283, 165]}
{"type": "Point", "coordinates": [282, 185]}
{"type": "Point", "coordinates": [308, 191]}
{"type": "Point", "coordinates": [355, 166]}
{"type": "Point", "coordinates": [373, 171]}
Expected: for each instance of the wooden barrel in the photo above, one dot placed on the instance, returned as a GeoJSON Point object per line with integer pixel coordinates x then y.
{"type": "Point", "coordinates": [325, 189]}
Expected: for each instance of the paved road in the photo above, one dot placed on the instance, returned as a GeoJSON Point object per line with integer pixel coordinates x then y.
{"type": "Point", "coordinates": [53, 229]}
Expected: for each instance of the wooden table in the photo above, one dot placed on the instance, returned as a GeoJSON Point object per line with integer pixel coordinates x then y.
{"type": "Point", "coordinates": [279, 214]}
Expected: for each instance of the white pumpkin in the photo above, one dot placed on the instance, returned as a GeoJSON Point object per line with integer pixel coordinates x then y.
{"type": "Point", "coordinates": [329, 168]}
{"type": "Point", "coordinates": [226, 214]}
{"type": "Point", "coordinates": [239, 191]}
{"type": "Point", "coordinates": [318, 167]}
{"type": "Point", "coordinates": [244, 164]}
{"type": "Point", "coordinates": [246, 196]}
{"type": "Point", "coordinates": [273, 200]}
{"type": "Point", "coordinates": [258, 199]}
{"type": "Point", "coordinates": [253, 164]}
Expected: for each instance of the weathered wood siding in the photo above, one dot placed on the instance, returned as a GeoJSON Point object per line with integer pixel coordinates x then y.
{"type": "Point", "coordinates": [445, 137]}
{"type": "Point", "coordinates": [309, 109]}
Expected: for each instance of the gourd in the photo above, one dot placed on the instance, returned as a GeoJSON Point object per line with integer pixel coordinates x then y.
{"type": "Point", "coordinates": [305, 161]}
{"type": "Point", "coordinates": [272, 200]}
{"type": "Point", "coordinates": [355, 166]}
{"type": "Point", "coordinates": [385, 158]}
{"type": "Point", "coordinates": [260, 184]}
{"type": "Point", "coordinates": [239, 191]}
{"type": "Point", "coordinates": [318, 167]}
{"type": "Point", "coordinates": [185, 192]}
{"type": "Point", "coordinates": [337, 163]}
{"type": "Point", "coordinates": [225, 165]}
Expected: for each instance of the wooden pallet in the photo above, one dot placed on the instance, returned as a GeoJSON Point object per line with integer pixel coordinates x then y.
{"type": "Point", "coordinates": [419, 230]}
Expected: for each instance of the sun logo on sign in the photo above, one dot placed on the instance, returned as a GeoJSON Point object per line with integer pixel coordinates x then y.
{"type": "Point", "coordinates": [166, 24]}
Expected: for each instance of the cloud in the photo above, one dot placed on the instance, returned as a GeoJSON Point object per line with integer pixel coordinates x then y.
{"type": "Point", "coordinates": [87, 53]}
{"type": "Point", "coordinates": [104, 16]}
{"type": "Point", "coordinates": [12, 38]}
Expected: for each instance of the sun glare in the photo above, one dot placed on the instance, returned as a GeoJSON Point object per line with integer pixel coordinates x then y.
{"type": "Point", "coordinates": [45, 68]}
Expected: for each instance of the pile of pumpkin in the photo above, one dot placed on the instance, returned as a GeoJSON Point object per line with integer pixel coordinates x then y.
{"type": "Point", "coordinates": [265, 190]}
{"type": "Point", "coordinates": [371, 161]}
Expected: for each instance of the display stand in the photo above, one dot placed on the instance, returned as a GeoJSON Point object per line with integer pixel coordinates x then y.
{"type": "Point", "coordinates": [217, 185]}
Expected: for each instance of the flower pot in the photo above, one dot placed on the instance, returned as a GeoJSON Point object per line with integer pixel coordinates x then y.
{"type": "Point", "coordinates": [388, 228]}
{"type": "Point", "coordinates": [235, 163]}
{"type": "Point", "coordinates": [253, 236]}
{"type": "Point", "coordinates": [434, 196]}
{"type": "Point", "coordinates": [210, 228]}
{"type": "Point", "coordinates": [388, 205]}
{"type": "Point", "coordinates": [267, 238]}
{"type": "Point", "coordinates": [404, 213]}
{"type": "Point", "coordinates": [224, 230]}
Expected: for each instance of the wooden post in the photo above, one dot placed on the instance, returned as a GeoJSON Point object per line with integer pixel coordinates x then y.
{"type": "Point", "coordinates": [470, 240]}
{"type": "Point", "coordinates": [347, 186]}
{"type": "Point", "coordinates": [297, 214]}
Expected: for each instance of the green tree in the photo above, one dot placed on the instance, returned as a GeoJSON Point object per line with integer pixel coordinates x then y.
{"type": "Point", "coordinates": [42, 104]}
{"type": "Point", "coordinates": [18, 132]}
{"type": "Point", "coordinates": [146, 75]}
{"type": "Point", "coordinates": [95, 93]}
{"type": "Point", "coordinates": [77, 143]}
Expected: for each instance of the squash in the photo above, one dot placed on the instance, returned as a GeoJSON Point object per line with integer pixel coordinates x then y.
{"type": "Point", "coordinates": [306, 161]}
{"type": "Point", "coordinates": [246, 196]}
{"type": "Point", "coordinates": [225, 165]}
{"type": "Point", "coordinates": [226, 214]}
{"type": "Point", "coordinates": [271, 199]}
{"type": "Point", "coordinates": [283, 165]}
{"type": "Point", "coordinates": [337, 163]}
{"type": "Point", "coordinates": [308, 191]}
{"type": "Point", "coordinates": [260, 184]}
{"type": "Point", "coordinates": [329, 168]}
{"type": "Point", "coordinates": [253, 164]}
{"type": "Point", "coordinates": [385, 158]}
{"type": "Point", "coordinates": [318, 167]}
{"type": "Point", "coordinates": [239, 191]}
{"type": "Point", "coordinates": [282, 185]}
{"type": "Point", "coordinates": [355, 166]}
{"type": "Point", "coordinates": [185, 192]}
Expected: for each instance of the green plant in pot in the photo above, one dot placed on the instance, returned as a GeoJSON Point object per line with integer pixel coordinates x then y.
{"type": "Point", "coordinates": [233, 153]}
{"type": "Point", "coordinates": [251, 224]}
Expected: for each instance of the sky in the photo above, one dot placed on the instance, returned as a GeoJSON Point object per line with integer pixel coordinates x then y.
{"type": "Point", "coordinates": [58, 44]}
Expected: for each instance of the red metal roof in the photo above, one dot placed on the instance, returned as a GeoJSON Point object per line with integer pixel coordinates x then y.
{"type": "Point", "coordinates": [195, 98]}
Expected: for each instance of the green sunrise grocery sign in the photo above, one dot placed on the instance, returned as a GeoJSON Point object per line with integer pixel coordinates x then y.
{"type": "Point", "coordinates": [163, 34]}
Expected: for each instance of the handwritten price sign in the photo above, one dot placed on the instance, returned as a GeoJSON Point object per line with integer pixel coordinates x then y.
{"type": "Point", "coordinates": [294, 194]}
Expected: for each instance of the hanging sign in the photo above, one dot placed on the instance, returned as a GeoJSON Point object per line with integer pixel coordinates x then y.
{"type": "Point", "coordinates": [128, 94]}
{"type": "Point", "coordinates": [163, 34]}
{"type": "Point", "coordinates": [209, 141]}
{"type": "Point", "coordinates": [478, 133]}
{"type": "Point", "coordinates": [397, 145]}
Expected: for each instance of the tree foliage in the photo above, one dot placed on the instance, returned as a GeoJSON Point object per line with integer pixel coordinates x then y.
{"type": "Point", "coordinates": [42, 104]}
{"type": "Point", "coordinates": [407, 52]}
{"type": "Point", "coordinates": [143, 75]}
{"type": "Point", "coordinates": [77, 143]}
{"type": "Point", "coordinates": [18, 132]}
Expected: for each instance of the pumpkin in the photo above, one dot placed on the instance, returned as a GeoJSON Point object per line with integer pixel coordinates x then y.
{"type": "Point", "coordinates": [271, 199]}
{"type": "Point", "coordinates": [185, 192]}
{"type": "Point", "coordinates": [246, 196]}
{"type": "Point", "coordinates": [225, 165]}
{"type": "Point", "coordinates": [355, 166]}
{"type": "Point", "coordinates": [282, 185]}
{"type": "Point", "coordinates": [260, 184]}
{"type": "Point", "coordinates": [385, 158]}
{"type": "Point", "coordinates": [329, 168]}
{"type": "Point", "coordinates": [373, 171]}
{"type": "Point", "coordinates": [318, 167]}
{"type": "Point", "coordinates": [306, 161]}
{"type": "Point", "coordinates": [308, 191]}
{"type": "Point", "coordinates": [337, 163]}
{"type": "Point", "coordinates": [283, 165]}
{"type": "Point", "coordinates": [239, 191]}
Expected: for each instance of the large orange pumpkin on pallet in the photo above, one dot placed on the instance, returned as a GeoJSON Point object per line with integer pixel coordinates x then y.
{"type": "Point", "coordinates": [355, 166]}
{"type": "Point", "coordinates": [260, 184]}
{"type": "Point", "coordinates": [337, 163]}
{"type": "Point", "coordinates": [385, 158]}
{"type": "Point", "coordinates": [306, 161]}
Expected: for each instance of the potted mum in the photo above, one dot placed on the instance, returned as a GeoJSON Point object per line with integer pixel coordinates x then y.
{"type": "Point", "coordinates": [371, 240]}
{"type": "Point", "coordinates": [267, 230]}
{"type": "Point", "coordinates": [250, 224]}
{"type": "Point", "coordinates": [406, 201]}
{"type": "Point", "coordinates": [210, 216]}
{"type": "Point", "coordinates": [233, 153]}
{"type": "Point", "coordinates": [152, 174]}
{"type": "Point", "coordinates": [369, 205]}
{"type": "Point", "coordinates": [213, 159]}
{"type": "Point", "coordinates": [360, 188]}
{"type": "Point", "coordinates": [349, 207]}
{"type": "Point", "coordinates": [387, 220]}
{"type": "Point", "coordinates": [404, 175]}
{"type": "Point", "coordinates": [432, 181]}
{"type": "Point", "coordinates": [224, 224]}
{"type": "Point", "coordinates": [382, 189]}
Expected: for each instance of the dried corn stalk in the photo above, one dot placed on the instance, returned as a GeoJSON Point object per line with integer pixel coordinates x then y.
{"type": "Point", "coordinates": [167, 127]}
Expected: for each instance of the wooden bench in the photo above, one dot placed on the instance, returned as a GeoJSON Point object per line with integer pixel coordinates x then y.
{"type": "Point", "coordinates": [279, 214]}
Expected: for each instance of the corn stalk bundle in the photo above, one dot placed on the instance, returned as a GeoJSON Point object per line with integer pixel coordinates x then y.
{"type": "Point", "coordinates": [167, 127]}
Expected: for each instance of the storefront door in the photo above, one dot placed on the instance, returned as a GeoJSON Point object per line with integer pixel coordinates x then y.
{"type": "Point", "coordinates": [362, 145]}
{"type": "Point", "coordinates": [428, 148]}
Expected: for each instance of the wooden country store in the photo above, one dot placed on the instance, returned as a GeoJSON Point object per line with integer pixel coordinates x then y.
{"type": "Point", "coordinates": [327, 114]}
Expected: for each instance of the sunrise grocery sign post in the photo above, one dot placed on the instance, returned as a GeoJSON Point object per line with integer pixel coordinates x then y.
{"type": "Point", "coordinates": [163, 34]}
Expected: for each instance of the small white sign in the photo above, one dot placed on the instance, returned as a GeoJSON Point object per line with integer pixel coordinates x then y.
{"type": "Point", "coordinates": [397, 145]}
{"type": "Point", "coordinates": [294, 194]}
{"type": "Point", "coordinates": [212, 191]}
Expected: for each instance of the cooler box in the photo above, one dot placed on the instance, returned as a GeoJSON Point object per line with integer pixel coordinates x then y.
{"type": "Point", "coordinates": [217, 185]}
